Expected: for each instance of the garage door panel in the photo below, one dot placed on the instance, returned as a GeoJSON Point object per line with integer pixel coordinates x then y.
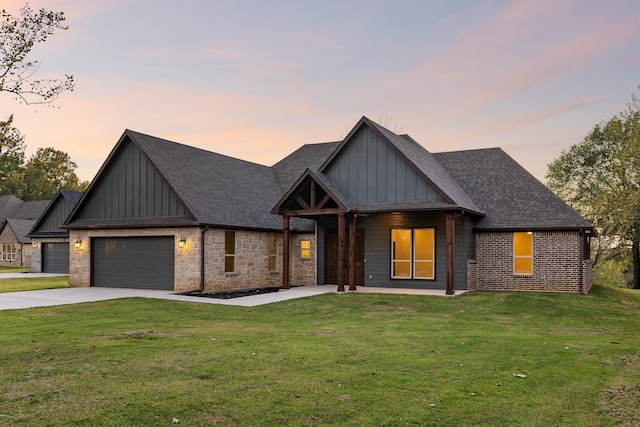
{"type": "Point", "coordinates": [55, 258]}
{"type": "Point", "coordinates": [134, 262]}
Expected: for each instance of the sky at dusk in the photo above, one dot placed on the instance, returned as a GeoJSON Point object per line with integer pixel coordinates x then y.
{"type": "Point", "coordinates": [257, 79]}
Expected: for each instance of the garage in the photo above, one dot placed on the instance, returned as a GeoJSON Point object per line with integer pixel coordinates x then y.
{"type": "Point", "coordinates": [55, 258]}
{"type": "Point", "coordinates": [133, 262]}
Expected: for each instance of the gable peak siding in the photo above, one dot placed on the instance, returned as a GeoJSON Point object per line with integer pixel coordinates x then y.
{"type": "Point", "coordinates": [54, 217]}
{"type": "Point", "coordinates": [368, 170]}
{"type": "Point", "coordinates": [131, 188]}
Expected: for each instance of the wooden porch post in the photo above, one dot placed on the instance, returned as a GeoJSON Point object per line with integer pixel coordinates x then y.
{"type": "Point", "coordinates": [285, 252]}
{"type": "Point", "coordinates": [450, 264]}
{"type": "Point", "coordinates": [352, 253]}
{"type": "Point", "coordinates": [341, 233]}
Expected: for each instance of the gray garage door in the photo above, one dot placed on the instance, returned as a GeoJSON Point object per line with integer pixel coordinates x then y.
{"type": "Point", "coordinates": [55, 258]}
{"type": "Point", "coordinates": [133, 262]}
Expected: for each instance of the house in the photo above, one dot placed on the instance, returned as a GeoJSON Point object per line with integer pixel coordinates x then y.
{"type": "Point", "coordinates": [50, 242]}
{"type": "Point", "coordinates": [375, 209]}
{"type": "Point", "coordinates": [15, 244]}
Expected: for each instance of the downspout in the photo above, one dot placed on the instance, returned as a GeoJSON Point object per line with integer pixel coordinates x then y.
{"type": "Point", "coordinates": [202, 246]}
{"type": "Point", "coordinates": [581, 236]}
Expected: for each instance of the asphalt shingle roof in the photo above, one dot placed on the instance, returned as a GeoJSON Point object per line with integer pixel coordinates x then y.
{"type": "Point", "coordinates": [21, 228]}
{"type": "Point", "coordinates": [223, 191]}
{"type": "Point", "coordinates": [309, 156]}
{"type": "Point", "coordinates": [30, 210]}
{"type": "Point", "coordinates": [510, 196]}
{"type": "Point", "coordinates": [8, 205]}
{"type": "Point", "coordinates": [218, 190]}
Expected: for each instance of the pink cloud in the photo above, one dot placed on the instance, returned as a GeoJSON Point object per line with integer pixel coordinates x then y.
{"type": "Point", "coordinates": [512, 52]}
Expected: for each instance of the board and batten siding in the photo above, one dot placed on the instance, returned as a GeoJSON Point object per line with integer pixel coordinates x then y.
{"type": "Point", "coordinates": [131, 188]}
{"type": "Point", "coordinates": [55, 216]}
{"type": "Point", "coordinates": [368, 170]}
{"type": "Point", "coordinates": [377, 248]}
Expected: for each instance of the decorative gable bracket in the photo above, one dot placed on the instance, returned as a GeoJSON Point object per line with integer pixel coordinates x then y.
{"type": "Point", "coordinates": [312, 194]}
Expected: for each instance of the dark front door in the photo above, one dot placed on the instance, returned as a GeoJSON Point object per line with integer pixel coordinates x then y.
{"type": "Point", "coordinates": [331, 258]}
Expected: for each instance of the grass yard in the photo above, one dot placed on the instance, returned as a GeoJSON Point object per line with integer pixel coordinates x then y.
{"type": "Point", "coordinates": [330, 360]}
{"type": "Point", "coordinates": [33, 283]}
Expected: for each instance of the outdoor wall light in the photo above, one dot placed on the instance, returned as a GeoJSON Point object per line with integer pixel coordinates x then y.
{"type": "Point", "coordinates": [35, 245]}
{"type": "Point", "coordinates": [78, 244]}
{"type": "Point", "coordinates": [182, 243]}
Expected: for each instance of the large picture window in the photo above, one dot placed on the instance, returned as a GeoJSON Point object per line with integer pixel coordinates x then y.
{"type": "Point", "coordinates": [413, 253]}
{"type": "Point", "coordinates": [523, 253]}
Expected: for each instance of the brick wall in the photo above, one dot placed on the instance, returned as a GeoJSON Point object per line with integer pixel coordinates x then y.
{"type": "Point", "coordinates": [557, 263]}
{"type": "Point", "coordinates": [251, 258]}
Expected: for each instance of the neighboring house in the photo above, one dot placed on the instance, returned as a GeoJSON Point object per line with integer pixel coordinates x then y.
{"type": "Point", "coordinates": [375, 209]}
{"type": "Point", "coordinates": [15, 244]}
{"type": "Point", "coordinates": [50, 242]}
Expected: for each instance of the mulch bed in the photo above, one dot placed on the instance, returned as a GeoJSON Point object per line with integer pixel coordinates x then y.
{"type": "Point", "coordinates": [231, 294]}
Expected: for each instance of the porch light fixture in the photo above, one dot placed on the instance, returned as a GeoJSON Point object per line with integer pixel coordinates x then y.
{"type": "Point", "coordinates": [35, 245]}
{"type": "Point", "coordinates": [182, 243]}
{"type": "Point", "coordinates": [78, 244]}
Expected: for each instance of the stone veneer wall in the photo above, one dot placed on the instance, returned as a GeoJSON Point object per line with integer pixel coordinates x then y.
{"type": "Point", "coordinates": [251, 258]}
{"type": "Point", "coordinates": [557, 263]}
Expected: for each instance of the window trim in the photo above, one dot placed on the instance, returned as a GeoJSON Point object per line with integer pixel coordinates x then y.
{"type": "Point", "coordinates": [516, 257]}
{"type": "Point", "coordinates": [412, 255]}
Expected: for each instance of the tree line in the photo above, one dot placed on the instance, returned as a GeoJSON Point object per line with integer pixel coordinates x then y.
{"type": "Point", "coordinates": [600, 178]}
{"type": "Point", "coordinates": [48, 170]}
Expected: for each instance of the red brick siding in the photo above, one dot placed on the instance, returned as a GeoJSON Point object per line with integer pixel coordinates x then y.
{"type": "Point", "coordinates": [557, 263]}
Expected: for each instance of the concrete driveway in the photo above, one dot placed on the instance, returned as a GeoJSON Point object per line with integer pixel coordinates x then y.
{"type": "Point", "coordinates": [50, 297]}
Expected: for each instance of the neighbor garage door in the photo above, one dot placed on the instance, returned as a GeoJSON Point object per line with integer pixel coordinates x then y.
{"type": "Point", "coordinates": [55, 258]}
{"type": "Point", "coordinates": [133, 262]}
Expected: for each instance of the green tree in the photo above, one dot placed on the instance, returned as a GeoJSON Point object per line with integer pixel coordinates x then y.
{"type": "Point", "coordinates": [11, 159]}
{"type": "Point", "coordinates": [47, 171]}
{"type": "Point", "coordinates": [600, 178]}
{"type": "Point", "coordinates": [18, 36]}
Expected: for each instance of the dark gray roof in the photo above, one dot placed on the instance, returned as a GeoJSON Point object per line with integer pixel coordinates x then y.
{"type": "Point", "coordinates": [21, 228]}
{"type": "Point", "coordinates": [8, 205]}
{"type": "Point", "coordinates": [218, 190]}
{"type": "Point", "coordinates": [72, 196]}
{"type": "Point", "coordinates": [510, 196]}
{"type": "Point", "coordinates": [309, 156]}
{"type": "Point", "coordinates": [30, 210]}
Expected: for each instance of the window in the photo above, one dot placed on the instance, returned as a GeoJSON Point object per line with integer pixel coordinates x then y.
{"type": "Point", "coordinates": [305, 249]}
{"type": "Point", "coordinates": [523, 253]}
{"type": "Point", "coordinates": [8, 252]}
{"type": "Point", "coordinates": [413, 253]}
{"type": "Point", "coordinates": [229, 251]}
{"type": "Point", "coordinates": [271, 263]}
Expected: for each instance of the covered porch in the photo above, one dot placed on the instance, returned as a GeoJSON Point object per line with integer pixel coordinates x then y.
{"type": "Point", "coordinates": [348, 234]}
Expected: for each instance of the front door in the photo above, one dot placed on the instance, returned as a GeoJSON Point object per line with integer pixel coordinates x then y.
{"type": "Point", "coordinates": [331, 258]}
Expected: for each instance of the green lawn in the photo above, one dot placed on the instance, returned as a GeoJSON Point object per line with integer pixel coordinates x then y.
{"type": "Point", "coordinates": [4, 269]}
{"type": "Point", "coordinates": [33, 284]}
{"type": "Point", "coordinates": [330, 360]}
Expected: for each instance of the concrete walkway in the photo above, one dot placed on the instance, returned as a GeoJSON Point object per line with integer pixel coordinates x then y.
{"type": "Point", "coordinates": [50, 297]}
